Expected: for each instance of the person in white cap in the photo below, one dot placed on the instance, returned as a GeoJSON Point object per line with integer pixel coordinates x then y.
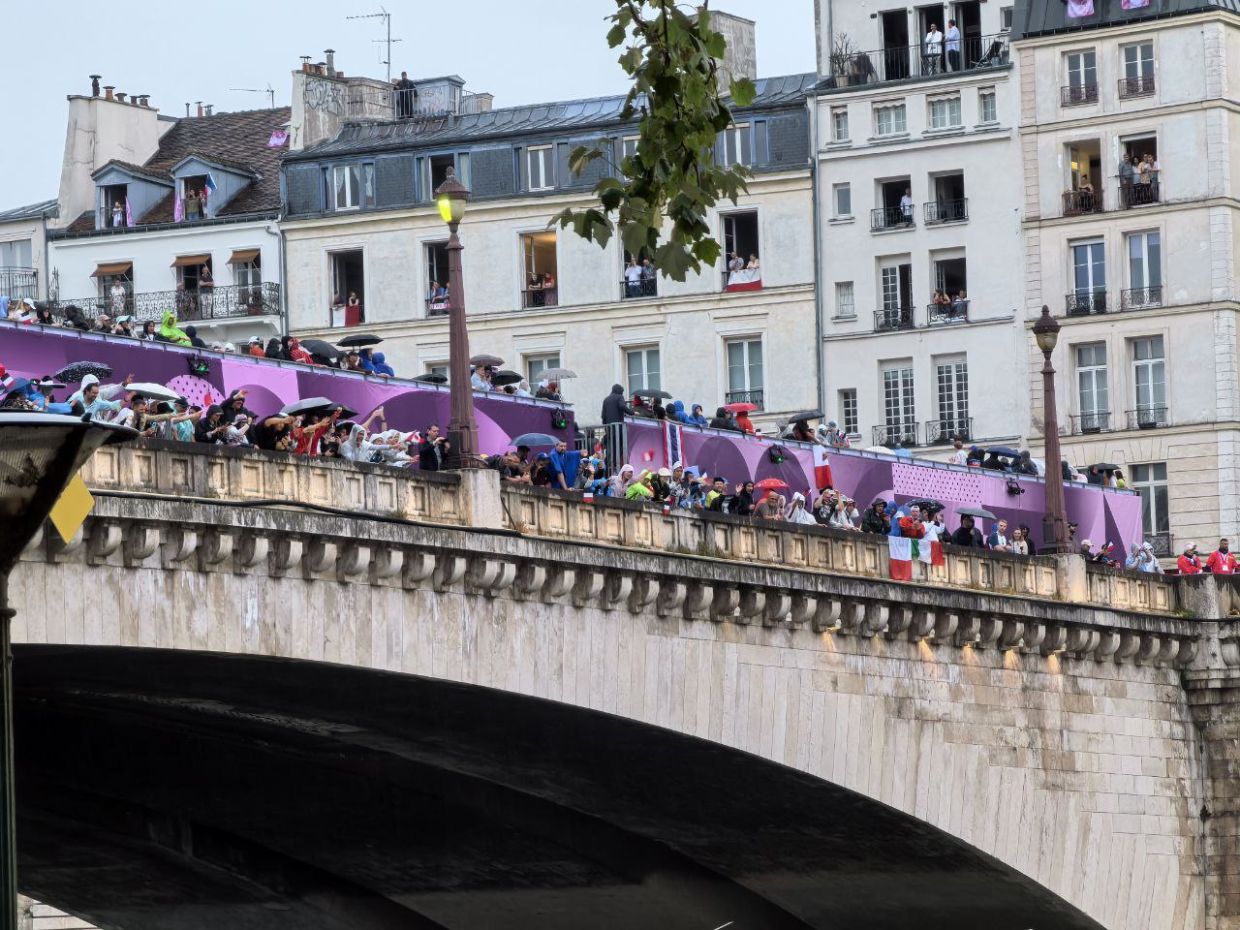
{"type": "Point", "coordinates": [1189, 563]}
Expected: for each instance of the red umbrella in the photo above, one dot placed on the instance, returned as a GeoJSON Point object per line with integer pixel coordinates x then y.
{"type": "Point", "coordinates": [740, 407]}
{"type": "Point", "coordinates": [771, 484]}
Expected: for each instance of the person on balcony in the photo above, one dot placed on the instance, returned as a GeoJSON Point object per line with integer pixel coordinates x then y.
{"type": "Point", "coordinates": [960, 305]}
{"type": "Point", "coordinates": [953, 46]}
{"type": "Point", "coordinates": [649, 288]}
{"type": "Point", "coordinates": [906, 207]}
{"type": "Point", "coordinates": [997, 541]}
{"type": "Point", "coordinates": [797, 512]}
{"type": "Point", "coordinates": [967, 534]}
{"type": "Point", "coordinates": [1221, 561]}
{"type": "Point", "coordinates": [193, 206]}
{"type": "Point", "coordinates": [697, 417]}
{"type": "Point", "coordinates": [1085, 194]}
{"type": "Point", "coordinates": [876, 519]}
{"type": "Point", "coordinates": [959, 456]}
{"type": "Point", "coordinates": [118, 214]}
{"type": "Point", "coordinates": [632, 279]}
{"type": "Point", "coordinates": [933, 49]}
{"type": "Point", "coordinates": [1189, 563]}
{"type": "Point", "coordinates": [116, 298]}
{"type": "Point", "coordinates": [406, 96]}
{"type": "Point", "coordinates": [170, 332]}
{"type": "Point", "coordinates": [1127, 172]}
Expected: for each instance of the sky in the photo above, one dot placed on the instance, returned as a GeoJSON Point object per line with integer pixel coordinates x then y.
{"type": "Point", "coordinates": [522, 52]}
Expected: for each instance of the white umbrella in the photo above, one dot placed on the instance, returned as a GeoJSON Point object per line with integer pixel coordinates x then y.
{"type": "Point", "coordinates": [879, 450]}
{"type": "Point", "coordinates": [153, 391]}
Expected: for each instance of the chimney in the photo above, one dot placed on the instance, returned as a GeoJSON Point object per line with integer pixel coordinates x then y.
{"type": "Point", "coordinates": [187, 109]}
{"type": "Point", "coordinates": [740, 59]}
{"type": "Point", "coordinates": [330, 55]}
{"type": "Point", "coordinates": [120, 96]}
{"type": "Point", "coordinates": [94, 84]}
{"type": "Point", "coordinates": [107, 90]}
{"type": "Point", "coordinates": [144, 100]}
{"type": "Point", "coordinates": [209, 108]}
{"type": "Point", "coordinates": [199, 105]}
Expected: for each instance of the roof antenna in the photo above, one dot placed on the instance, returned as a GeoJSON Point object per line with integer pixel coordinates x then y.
{"type": "Point", "coordinates": [387, 20]}
{"type": "Point", "coordinates": [271, 94]}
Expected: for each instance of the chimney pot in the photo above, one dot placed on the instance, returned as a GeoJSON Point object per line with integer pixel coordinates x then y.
{"type": "Point", "coordinates": [107, 91]}
{"type": "Point", "coordinates": [199, 103]}
{"type": "Point", "coordinates": [94, 84]}
{"type": "Point", "coordinates": [187, 109]}
{"type": "Point", "coordinates": [120, 96]}
{"type": "Point", "coordinates": [144, 100]}
{"type": "Point", "coordinates": [209, 107]}
{"type": "Point", "coordinates": [330, 55]}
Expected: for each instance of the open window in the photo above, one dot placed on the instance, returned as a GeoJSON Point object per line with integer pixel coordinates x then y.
{"type": "Point", "coordinates": [949, 204]}
{"type": "Point", "coordinates": [195, 197]}
{"type": "Point", "coordinates": [895, 287]}
{"type": "Point", "coordinates": [1083, 188]}
{"type": "Point", "coordinates": [895, 44]}
{"type": "Point", "coordinates": [195, 286]}
{"type": "Point", "coordinates": [115, 283]}
{"type": "Point", "coordinates": [434, 171]}
{"type": "Point", "coordinates": [949, 303]}
{"type": "Point", "coordinates": [348, 288]}
{"type": "Point", "coordinates": [895, 205]}
{"type": "Point", "coordinates": [638, 277]}
{"type": "Point", "coordinates": [436, 258]}
{"type": "Point", "coordinates": [353, 186]}
{"type": "Point", "coordinates": [247, 272]}
{"type": "Point", "coordinates": [743, 269]}
{"type": "Point", "coordinates": [539, 286]}
{"type": "Point", "coordinates": [1139, 171]}
{"type": "Point", "coordinates": [113, 200]}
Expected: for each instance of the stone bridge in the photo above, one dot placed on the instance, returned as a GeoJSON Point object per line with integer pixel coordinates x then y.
{"type": "Point", "coordinates": [259, 692]}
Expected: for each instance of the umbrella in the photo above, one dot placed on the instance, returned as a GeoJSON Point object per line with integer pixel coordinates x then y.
{"type": "Point", "coordinates": [771, 484]}
{"type": "Point", "coordinates": [151, 390]}
{"type": "Point", "coordinates": [878, 450]}
{"type": "Point", "coordinates": [1103, 466]}
{"type": "Point", "coordinates": [662, 395]}
{"type": "Point", "coordinates": [312, 404]}
{"type": "Point", "coordinates": [320, 348]}
{"type": "Point", "coordinates": [432, 379]}
{"type": "Point", "coordinates": [500, 378]}
{"type": "Point", "coordinates": [804, 415]}
{"type": "Point", "coordinates": [79, 370]}
{"type": "Point", "coordinates": [359, 341]}
{"type": "Point", "coordinates": [740, 407]}
{"type": "Point", "coordinates": [928, 504]}
{"type": "Point", "coordinates": [979, 512]}
{"type": "Point", "coordinates": [557, 374]}
{"type": "Point", "coordinates": [1004, 451]}
{"type": "Point", "coordinates": [534, 439]}
{"type": "Point", "coordinates": [18, 386]}
{"type": "Point", "coordinates": [486, 361]}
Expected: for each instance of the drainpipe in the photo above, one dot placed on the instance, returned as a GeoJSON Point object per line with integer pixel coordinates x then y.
{"type": "Point", "coordinates": [283, 275]}
{"type": "Point", "coordinates": [819, 350]}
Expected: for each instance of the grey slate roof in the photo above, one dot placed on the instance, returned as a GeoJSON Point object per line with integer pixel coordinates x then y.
{"type": "Point", "coordinates": [30, 211]}
{"type": "Point", "coordinates": [1045, 17]}
{"type": "Point", "coordinates": [565, 116]}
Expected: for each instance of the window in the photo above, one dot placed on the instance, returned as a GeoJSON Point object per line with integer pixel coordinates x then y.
{"type": "Point", "coordinates": [740, 251]}
{"type": "Point", "coordinates": [952, 376]}
{"type": "Point", "coordinates": [987, 109]}
{"type": "Point", "coordinates": [944, 112]}
{"type": "Point", "coordinates": [839, 124]}
{"type": "Point", "coordinates": [889, 120]}
{"type": "Point", "coordinates": [895, 283]}
{"type": "Point", "coordinates": [16, 254]}
{"type": "Point", "coordinates": [1092, 393]}
{"type": "Point", "coordinates": [899, 412]}
{"type": "Point", "coordinates": [1144, 269]}
{"type": "Point", "coordinates": [539, 287]}
{"type": "Point", "coordinates": [348, 281]}
{"type": "Point", "coordinates": [735, 145]}
{"type": "Point", "coordinates": [1149, 377]}
{"type": "Point", "coordinates": [1082, 68]}
{"type": "Point", "coordinates": [248, 276]}
{"type": "Point", "coordinates": [845, 303]}
{"type": "Point", "coordinates": [1150, 481]}
{"type": "Point", "coordinates": [895, 206]}
{"type": "Point", "coordinates": [1139, 61]}
{"type": "Point", "coordinates": [353, 186]}
{"type": "Point", "coordinates": [113, 205]}
{"type": "Point", "coordinates": [535, 365]}
{"type": "Point", "coordinates": [436, 267]}
{"type": "Point", "coordinates": [1005, 18]}
{"type": "Point", "coordinates": [841, 199]}
{"type": "Point", "coordinates": [628, 146]}
{"type": "Point", "coordinates": [440, 369]}
{"type": "Point", "coordinates": [434, 170]}
{"type": "Point", "coordinates": [848, 411]}
{"type": "Point", "coordinates": [745, 381]}
{"type": "Point", "coordinates": [539, 168]}
{"type": "Point", "coordinates": [643, 368]}
{"type": "Point", "coordinates": [1089, 277]}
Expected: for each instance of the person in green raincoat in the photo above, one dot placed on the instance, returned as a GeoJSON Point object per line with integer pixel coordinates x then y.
{"type": "Point", "coordinates": [169, 331]}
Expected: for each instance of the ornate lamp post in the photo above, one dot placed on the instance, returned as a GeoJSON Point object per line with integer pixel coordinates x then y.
{"type": "Point", "coordinates": [39, 454]}
{"type": "Point", "coordinates": [452, 196]}
{"type": "Point", "coordinates": [1055, 521]}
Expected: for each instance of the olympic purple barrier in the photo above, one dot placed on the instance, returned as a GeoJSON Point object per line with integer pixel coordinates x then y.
{"type": "Point", "coordinates": [1102, 515]}
{"type": "Point", "coordinates": [32, 351]}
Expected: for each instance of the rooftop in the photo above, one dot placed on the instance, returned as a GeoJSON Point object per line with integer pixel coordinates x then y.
{"type": "Point", "coordinates": [30, 211]}
{"type": "Point", "coordinates": [1034, 18]}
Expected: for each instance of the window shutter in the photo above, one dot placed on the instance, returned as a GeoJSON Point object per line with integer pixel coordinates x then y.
{"type": "Point", "coordinates": [760, 156]}
{"type": "Point", "coordinates": [523, 166]}
{"type": "Point", "coordinates": [305, 186]}
{"type": "Point", "coordinates": [720, 149]}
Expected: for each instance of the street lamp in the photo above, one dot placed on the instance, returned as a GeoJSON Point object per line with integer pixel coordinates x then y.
{"type": "Point", "coordinates": [39, 454]}
{"type": "Point", "coordinates": [1054, 521]}
{"type": "Point", "coordinates": [452, 196]}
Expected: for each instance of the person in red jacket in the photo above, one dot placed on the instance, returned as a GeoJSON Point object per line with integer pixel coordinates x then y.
{"type": "Point", "coordinates": [1189, 563]}
{"type": "Point", "coordinates": [1221, 561]}
{"type": "Point", "coordinates": [911, 526]}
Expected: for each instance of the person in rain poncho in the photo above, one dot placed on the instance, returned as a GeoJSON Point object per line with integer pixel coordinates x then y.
{"type": "Point", "coordinates": [797, 512]}
{"type": "Point", "coordinates": [168, 330]}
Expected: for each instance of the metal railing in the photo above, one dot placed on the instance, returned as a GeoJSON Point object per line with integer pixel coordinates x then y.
{"type": "Point", "coordinates": [437, 306]}
{"type": "Point", "coordinates": [1141, 298]}
{"type": "Point", "coordinates": [941, 314]}
{"type": "Point", "coordinates": [896, 434]}
{"type": "Point", "coordinates": [850, 68]}
{"type": "Point", "coordinates": [944, 432]}
{"type": "Point", "coordinates": [1083, 303]}
{"type": "Point", "coordinates": [946, 211]}
{"type": "Point", "coordinates": [1147, 418]}
{"type": "Point", "coordinates": [612, 438]}
{"type": "Point", "coordinates": [1084, 424]}
{"type": "Point", "coordinates": [215, 303]}
{"type": "Point", "coordinates": [1075, 95]}
{"type": "Point", "coordinates": [893, 319]}
{"type": "Point", "coordinates": [539, 297]}
{"type": "Point", "coordinates": [744, 397]}
{"type": "Point", "coordinates": [1135, 87]}
{"type": "Point", "coordinates": [1139, 193]}
{"type": "Point", "coordinates": [379, 102]}
{"type": "Point", "coordinates": [648, 286]}
{"type": "Point", "coordinates": [1076, 203]}
{"type": "Point", "coordinates": [1160, 543]}
{"type": "Point", "coordinates": [19, 282]}
{"type": "Point", "coordinates": [891, 218]}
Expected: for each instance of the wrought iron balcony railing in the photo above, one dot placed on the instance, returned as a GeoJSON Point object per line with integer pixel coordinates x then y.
{"type": "Point", "coordinates": [1148, 417]}
{"type": "Point", "coordinates": [1161, 543]}
{"type": "Point", "coordinates": [1141, 298]}
{"type": "Point", "coordinates": [1098, 421]}
{"type": "Point", "coordinates": [539, 297]}
{"type": "Point", "coordinates": [1130, 87]}
{"type": "Point", "coordinates": [850, 68]}
{"type": "Point", "coordinates": [744, 397]}
{"type": "Point", "coordinates": [882, 218]}
{"type": "Point", "coordinates": [893, 319]}
{"type": "Point", "coordinates": [1084, 303]}
{"type": "Point", "coordinates": [18, 283]}
{"type": "Point", "coordinates": [896, 434]}
{"type": "Point", "coordinates": [944, 432]}
{"type": "Point", "coordinates": [945, 211]}
{"type": "Point", "coordinates": [1077, 203]}
{"type": "Point", "coordinates": [648, 286]}
{"type": "Point", "coordinates": [1075, 95]}
{"type": "Point", "coordinates": [941, 314]}
{"type": "Point", "coordinates": [213, 303]}
{"type": "Point", "coordinates": [1138, 193]}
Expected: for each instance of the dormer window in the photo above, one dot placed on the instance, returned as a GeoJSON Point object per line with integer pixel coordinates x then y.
{"type": "Point", "coordinates": [112, 200]}
{"type": "Point", "coordinates": [353, 186]}
{"type": "Point", "coordinates": [194, 198]}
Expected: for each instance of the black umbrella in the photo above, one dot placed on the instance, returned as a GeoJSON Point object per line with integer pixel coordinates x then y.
{"type": "Point", "coordinates": [804, 415]}
{"type": "Point", "coordinates": [359, 341]}
{"type": "Point", "coordinates": [500, 378]}
{"type": "Point", "coordinates": [928, 504]}
{"type": "Point", "coordinates": [320, 348]}
{"type": "Point", "coordinates": [432, 379]}
{"type": "Point", "coordinates": [534, 439]}
{"type": "Point", "coordinates": [316, 405]}
{"type": "Point", "coordinates": [79, 370]}
{"type": "Point", "coordinates": [662, 395]}
{"type": "Point", "coordinates": [978, 512]}
{"type": "Point", "coordinates": [1004, 451]}
{"type": "Point", "coordinates": [486, 361]}
{"type": "Point", "coordinates": [1103, 466]}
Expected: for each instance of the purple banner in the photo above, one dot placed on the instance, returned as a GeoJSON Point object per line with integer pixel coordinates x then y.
{"type": "Point", "coordinates": [33, 351]}
{"type": "Point", "coordinates": [1101, 515]}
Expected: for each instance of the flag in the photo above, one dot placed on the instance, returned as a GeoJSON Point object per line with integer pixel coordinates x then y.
{"type": "Point", "coordinates": [178, 210]}
{"type": "Point", "coordinates": [822, 469]}
{"type": "Point", "coordinates": [71, 509]}
{"type": "Point", "coordinates": [903, 552]}
{"type": "Point", "coordinates": [673, 443]}
{"type": "Point", "coordinates": [1079, 8]}
{"type": "Point", "coordinates": [1134, 4]}
{"type": "Point", "coordinates": [209, 188]}
{"type": "Point", "coordinates": [279, 139]}
{"type": "Point", "coordinates": [128, 212]}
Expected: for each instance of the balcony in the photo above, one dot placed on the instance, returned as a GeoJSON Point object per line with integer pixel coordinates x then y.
{"type": "Point", "coordinates": [1079, 203]}
{"type": "Point", "coordinates": [1141, 298]}
{"type": "Point", "coordinates": [1160, 543]}
{"type": "Point", "coordinates": [1086, 303]}
{"type": "Point", "coordinates": [893, 319]}
{"type": "Point", "coordinates": [1139, 194]}
{"type": "Point", "coordinates": [744, 397]}
{"type": "Point", "coordinates": [437, 306]}
{"type": "Point", "coordinates": [215, 303]}
{"type": "Point", "coordinates": [887, 218]}
{"type": "Point", "coordinates": [1136, 87]}
{"type": "Point", "coordinates": [944, 314]}
{"type": "Point", "coordinates": [1075, 95]}
{"type": "Point", "coordinates": [851, 68]}
{"type": "Point", "coordinates": [945, 432]}
{"type": "Point", "coordinates": [539, 297]}
{"type": "Point", "coordinates": [636, 290]}
{"type": "Point", "coordinates": [1087, 424]}
{"type": "Point", "coordinates": [19, 282]}
{"type": "Point", "coordinates": [937, 212]}
{"type": "Point", "coordinates": [1148, 418]}
{"type": "Point", "coordinates": [896, 434]}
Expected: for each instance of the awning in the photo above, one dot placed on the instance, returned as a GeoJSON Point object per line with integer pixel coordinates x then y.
{"type": "Point", "coordinates": [244, 256]}
{"type": "Point", "coordinates": [103, 271]}
{"type": "Point", "coordinates": [181, 261]}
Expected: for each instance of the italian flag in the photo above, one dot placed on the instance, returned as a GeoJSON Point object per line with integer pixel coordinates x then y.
{"type": "Point", "coordinates": [904, 552]}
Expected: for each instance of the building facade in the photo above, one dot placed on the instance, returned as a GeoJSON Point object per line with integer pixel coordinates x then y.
{"type": "Point", "coordinates": [23, 250]}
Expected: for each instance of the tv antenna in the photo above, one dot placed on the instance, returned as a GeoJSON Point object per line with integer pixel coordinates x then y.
{"type": "Point", "coordinates": [384, 15]}
{"type": "Point", "coordinates": [271, 94]}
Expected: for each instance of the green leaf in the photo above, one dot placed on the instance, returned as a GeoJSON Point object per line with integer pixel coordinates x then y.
{"type": "Point", "coordinates": [743, 91]}
{"type": "Point", "coordinates": [674, 261]}
{"type": "Point", "coordinates": [616, 35]}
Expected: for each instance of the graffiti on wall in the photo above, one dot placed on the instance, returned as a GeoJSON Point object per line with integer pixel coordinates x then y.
{"type": "Point", "coordinates": [324, 96]}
